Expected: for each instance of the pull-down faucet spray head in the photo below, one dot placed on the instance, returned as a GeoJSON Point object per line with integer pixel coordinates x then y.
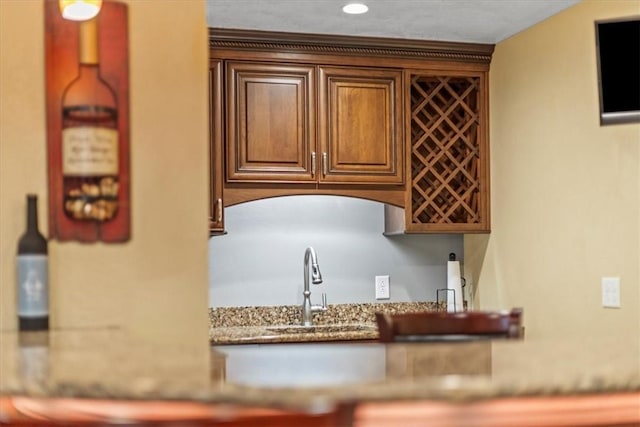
{"type": "Point", "coordinates": [316, 276]}
{"type": "Point", "coordinates": [310, 257]}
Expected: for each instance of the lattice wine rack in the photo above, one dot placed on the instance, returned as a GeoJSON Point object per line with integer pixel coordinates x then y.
{"type": "Point", "coordinates": [449, 158]}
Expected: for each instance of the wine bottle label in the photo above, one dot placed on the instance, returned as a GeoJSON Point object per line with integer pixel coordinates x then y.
{"type": "Point", "coordinates": [89, 151]}
{"type": "Point", "coordinates": [33, 286]}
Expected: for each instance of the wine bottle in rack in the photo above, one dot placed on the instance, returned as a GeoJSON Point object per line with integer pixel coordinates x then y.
{"type": "Point", "coordinates": [33, 273]}
{"type": "Point", "coordinates": [90, 158]}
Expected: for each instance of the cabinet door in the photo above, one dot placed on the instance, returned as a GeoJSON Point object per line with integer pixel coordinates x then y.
{"type": "Point", "coordinates": [449, 154]}
{"type": "Point", "coordinates": [361, 125]}
{"type": "Point", "coordinates": [270, 122]}
{"type": "Point", "coordinates": [216, 210]}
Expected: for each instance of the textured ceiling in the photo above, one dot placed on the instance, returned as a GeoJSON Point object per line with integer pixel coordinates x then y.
{"type": "Point", "coordinates": [480, 21]}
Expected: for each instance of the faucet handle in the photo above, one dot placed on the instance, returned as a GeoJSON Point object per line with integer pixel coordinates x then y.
{"type": "Point", "coordinates": [315, 308]}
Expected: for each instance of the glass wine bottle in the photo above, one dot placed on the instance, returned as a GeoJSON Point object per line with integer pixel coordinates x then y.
{"type": "Point", "coordinates": [33, 273]}
{"type": "Point", "coordinates": [89, 137]}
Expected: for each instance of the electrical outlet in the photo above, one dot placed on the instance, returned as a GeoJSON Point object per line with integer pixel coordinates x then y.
{"type": "Point", "coordinates": [611, 292]}
{"type": "Point", "coordinates": [382, 287]}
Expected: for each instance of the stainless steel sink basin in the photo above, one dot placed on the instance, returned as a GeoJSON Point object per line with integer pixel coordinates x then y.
{"type": "Point", "coordinates": [325, 329]}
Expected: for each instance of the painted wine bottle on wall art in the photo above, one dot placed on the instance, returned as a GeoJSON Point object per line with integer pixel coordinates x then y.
{"type": "Point", "coordinates": [88, 125]}
{"type": "Point", "coordinates": [89, 137]}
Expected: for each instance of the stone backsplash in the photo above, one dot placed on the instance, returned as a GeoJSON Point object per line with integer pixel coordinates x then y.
{"type": "Point", "coordinates": [290, 314]}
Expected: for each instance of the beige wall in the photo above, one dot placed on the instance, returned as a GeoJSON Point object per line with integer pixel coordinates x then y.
{"type": "Point", "coordinates": [565, 191]}
{"type": "Point", "coordinates": [155, 285]}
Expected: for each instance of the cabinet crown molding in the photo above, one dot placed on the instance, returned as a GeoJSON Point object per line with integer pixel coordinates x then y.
{"type": "Point", "coordinates": [223, 38]}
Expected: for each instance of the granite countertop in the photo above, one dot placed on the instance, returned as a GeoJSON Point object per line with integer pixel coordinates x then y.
{"type": "Point", "coordinates": [113, 364]}
{"type": "Point", "coordinates": [265, 334]}
{"type": "Point", "coordinates": [281, 324]}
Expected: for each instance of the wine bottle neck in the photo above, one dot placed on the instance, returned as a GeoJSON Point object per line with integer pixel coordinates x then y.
{"type": "Point", "coordinates": [88, 70]}
{"type": "Point", "coordinates": [32, 213]}
{"type": "Point", "coordinates": [88, 42]}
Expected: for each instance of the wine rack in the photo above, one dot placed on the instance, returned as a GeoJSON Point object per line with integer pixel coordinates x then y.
{"type": "Point", "coordinates": [448, 155]}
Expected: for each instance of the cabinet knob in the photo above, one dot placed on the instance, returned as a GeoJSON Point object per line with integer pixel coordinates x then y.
{"type": "Point", "coordinates": [220, 210]}
{"type": "Point", "coordinates": [313, 164]}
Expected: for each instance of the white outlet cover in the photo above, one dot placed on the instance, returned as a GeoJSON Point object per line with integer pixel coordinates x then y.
{"type": "Point", "coordinates": [611, 292]}
{"type": "Point", "coordinates": [382, 287]}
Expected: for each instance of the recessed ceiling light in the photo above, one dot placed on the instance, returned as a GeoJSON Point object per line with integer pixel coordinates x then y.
{"type": "Point", "coordinates": [355, 8]}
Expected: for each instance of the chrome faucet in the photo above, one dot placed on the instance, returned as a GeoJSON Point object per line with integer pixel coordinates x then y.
{"type": "Point", "coordinates": [316, 278]}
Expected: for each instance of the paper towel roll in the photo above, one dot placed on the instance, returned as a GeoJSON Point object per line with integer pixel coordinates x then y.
{"type": "Point", "coordinates": [454, 283]}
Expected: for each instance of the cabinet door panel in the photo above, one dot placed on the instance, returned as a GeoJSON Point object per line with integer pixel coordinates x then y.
{"type": "Point", "coordinates": [216, 209]}
{"type": "Point", "coordinates": [271, 122]}
{"type": "Point", "coordinates": [361, 125]}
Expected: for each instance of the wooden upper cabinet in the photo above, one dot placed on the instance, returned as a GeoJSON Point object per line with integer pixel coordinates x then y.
{"type": "Point", "coordinates": [360, 125]}
{"type": "Point", "coordinates": [402, 122]}
{"type": "Point", "coordinates": [270, 122]}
